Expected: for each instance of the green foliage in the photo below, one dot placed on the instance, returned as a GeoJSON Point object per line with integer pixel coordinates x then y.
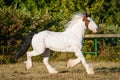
{"type": "Point", "coordinates": [18, 17]}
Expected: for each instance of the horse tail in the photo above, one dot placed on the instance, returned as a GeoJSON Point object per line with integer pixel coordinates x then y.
{"type": "Point", "coordinates": [25, 45]}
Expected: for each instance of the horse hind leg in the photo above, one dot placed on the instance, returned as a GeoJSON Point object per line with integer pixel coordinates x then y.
{"type": "Point", "coordinates": [46, 62]}
{"type": "Point", "coordinates": [29, 58]}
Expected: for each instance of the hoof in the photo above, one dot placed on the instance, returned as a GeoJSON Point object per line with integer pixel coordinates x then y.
{"type": "Point", "coordinates": [53, 71]}
{"type": "Point", "coordinates": [28, 65]}
{"type": "Point", "coordinates": [70, 64]}
{"type": "Point", "coordinates": [27, 68]}
{"type": "Point", "coordinates": [25, 62]}
{"type": "Point", "coordinates": [90, 70]}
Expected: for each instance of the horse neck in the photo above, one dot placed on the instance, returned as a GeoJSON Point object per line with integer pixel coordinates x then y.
{"type": "Point", "coordinates": [78, 30]}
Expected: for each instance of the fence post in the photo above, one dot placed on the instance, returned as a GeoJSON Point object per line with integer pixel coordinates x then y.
{"type": "Point", "coordinates": [96, 46]}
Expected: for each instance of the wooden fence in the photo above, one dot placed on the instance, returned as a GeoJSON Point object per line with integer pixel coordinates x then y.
{"type": "Point", "coordinates": [98, 36]}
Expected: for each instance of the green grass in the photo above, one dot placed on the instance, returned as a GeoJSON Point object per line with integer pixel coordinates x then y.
{"type": "Point", "coordinates": [103, 71]}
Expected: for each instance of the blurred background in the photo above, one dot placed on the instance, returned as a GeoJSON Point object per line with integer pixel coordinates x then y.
{"type": "Point", "coordinates": [19, 17]}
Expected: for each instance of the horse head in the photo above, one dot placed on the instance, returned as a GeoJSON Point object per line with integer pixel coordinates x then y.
{"type": "Point", "coordinates": [89, 23]}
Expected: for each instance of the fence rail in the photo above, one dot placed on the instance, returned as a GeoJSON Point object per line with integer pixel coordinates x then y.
{"type": "Point", "coordinates": [102, 35]}
{"type": "Point", "coordinates": [98, 36]}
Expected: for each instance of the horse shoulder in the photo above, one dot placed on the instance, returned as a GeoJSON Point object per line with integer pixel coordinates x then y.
{"type": "Point", "coordinates": [75, 42]}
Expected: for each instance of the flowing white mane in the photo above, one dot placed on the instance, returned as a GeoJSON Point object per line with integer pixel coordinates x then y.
{"type": "Point", "coordinates": [73, 20]}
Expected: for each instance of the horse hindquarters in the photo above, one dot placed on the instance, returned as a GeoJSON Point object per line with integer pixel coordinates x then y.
{"type": "Point", "coordinates": [38, 44]}
{"type": "Point", "coordinates": [38, 48]}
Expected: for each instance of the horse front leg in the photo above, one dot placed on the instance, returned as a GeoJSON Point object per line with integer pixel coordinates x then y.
{"type": "Point", "coordinates": [88, 68]}
{"type": "Point", "coordinates": [46, 62]}
{"type": "Point", "coordinates": [73, 62]}
{"type": "Point", "coordinates": [80, 57]}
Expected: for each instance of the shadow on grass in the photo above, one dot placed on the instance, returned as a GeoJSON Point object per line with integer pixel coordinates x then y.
{"type": "Point", "coordinates": [65, 71]}
{"type": "Point", "coordinates": [106, 69]}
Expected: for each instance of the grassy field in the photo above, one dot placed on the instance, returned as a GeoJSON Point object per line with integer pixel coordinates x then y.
{"type": "Point", "coordinates": [103, 71]}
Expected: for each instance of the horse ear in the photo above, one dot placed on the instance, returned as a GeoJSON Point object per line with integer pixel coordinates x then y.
{"type": "Point", "coordinates": [85, 17]}
{"type": "Point", "coordinates": [86, 14]}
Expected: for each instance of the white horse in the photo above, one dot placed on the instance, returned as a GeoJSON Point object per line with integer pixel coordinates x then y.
{"type": "Point", "coordinates": [68, 41]}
